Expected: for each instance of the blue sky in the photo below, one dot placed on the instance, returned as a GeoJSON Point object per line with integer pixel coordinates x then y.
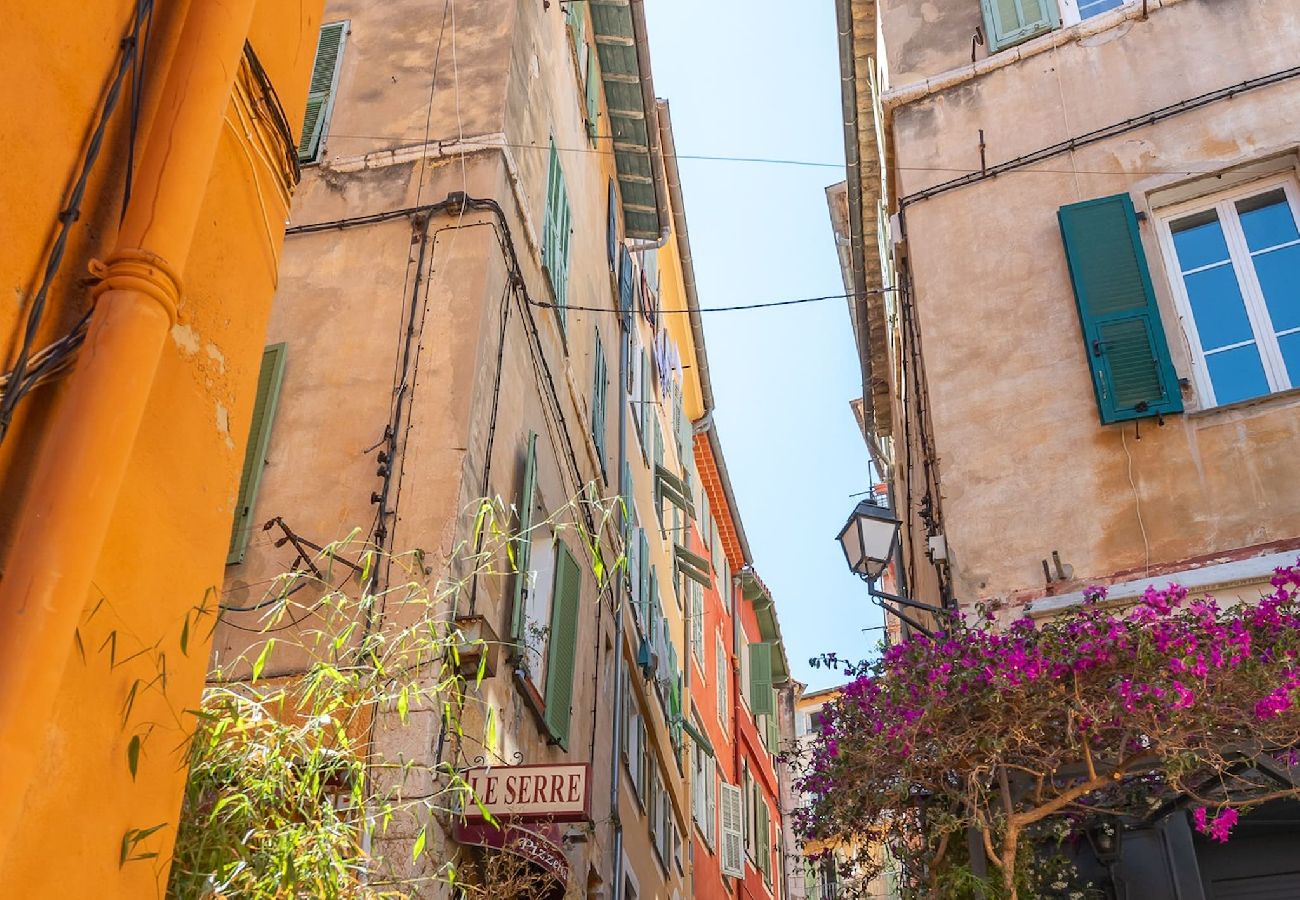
{"type": "Point", "coordinates": [751, 78]}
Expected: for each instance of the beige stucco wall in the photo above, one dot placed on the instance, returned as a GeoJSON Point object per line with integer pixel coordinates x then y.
{"type": "Point", "coordinates": [1026, 468]}
{"type": "Point", "coordinates": [509, 80]}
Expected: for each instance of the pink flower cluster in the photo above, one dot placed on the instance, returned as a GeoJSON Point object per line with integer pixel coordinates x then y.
{"type": "Point", "coordinates": [1217, 828]}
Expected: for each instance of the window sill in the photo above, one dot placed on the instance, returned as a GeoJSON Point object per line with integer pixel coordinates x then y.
{"type": "Point", "coordinates": [533, 700]}
{"type": "Point", "coordinates": [1290, 397]}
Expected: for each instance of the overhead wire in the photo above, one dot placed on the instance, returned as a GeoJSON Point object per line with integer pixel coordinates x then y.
{"type": "Point", "coordinates": [736, 308]}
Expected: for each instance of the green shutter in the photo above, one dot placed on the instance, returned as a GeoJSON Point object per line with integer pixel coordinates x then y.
{"type": "Point", "coordinates": [1012, 21]}
{"type": "Point", "coordinates": [593, 98]}
{"type": "Point", "coordinates": [773, 736]}
{"type": "Point", "coordinates": [645, 407]}
{"type": "Point", "coordinates": [599, 379]}
{"type": "Point", "coordinates": [760, 679]}
{"type": "Point", "coordinates": [562, 649]}
{"type": "Point", "coordinates": [611, 230]}
{"type": "Point", "coordinates": [269, 378]}
{"type": "Point", "coordinates": [644, 595]}
{"type": "Point", "coordinates": [555, 233]}
{"type": "Point", "coordinates": [320, 94]}
{"type": "Point", "coordinates": [1132, 374]}
{"type": "Point", "coordinates": [524, 542]}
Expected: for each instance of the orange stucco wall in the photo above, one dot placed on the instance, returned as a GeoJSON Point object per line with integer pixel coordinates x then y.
{"type": "Point", "coordinates": [126, 673]}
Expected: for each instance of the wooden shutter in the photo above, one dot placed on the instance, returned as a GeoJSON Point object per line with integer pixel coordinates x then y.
{"type": "Point", "coordinates": [524, 542]}
{"type": "Point", "coordinates": [1132, 374]}
{"type": "Point", "coordinates": [555, 233]}
{"type": "Point", "coordinates": [611, 227]}
{"type": "Point", "coordinates": [763, 838]}
{"type": "Point", "coordinates": [697, 623]}
{"type": "Point", "coordinates": [562, 648]}
{"type": "Point", "coordinates": [643, 593]}
{"type": "Point", "coordinates": [593, 98]}
{"type": "Point", "coordinates": [598, 388]}
{"type": "Point", "coordinates": [269, 378]}
{"type": "Point", "coordinates": [724, 679]}
{"type": "Point", "coordinates": [732, 839]}
{"type": "Point", "coordinates": [1012, 21]}
{"type": "Point", "coordinates": [624, 281]}
{"type": "Point", "coordinates": [645, 406]}
{"type": "Point", "coordinates": [760, 679]}
{"type": "Point", "coordinates": [320, 94]}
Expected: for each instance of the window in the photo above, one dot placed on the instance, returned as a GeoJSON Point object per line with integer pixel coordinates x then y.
{"type": "Point", "coordinates": [1234, 262]}
{"type": "Point", "coordinates": [265, 401]}
{"type": "Point", "coordinates": [322, 90]}
{"type": "Point", "coordinates": [555, 234]}
{"type": "Point", "coordinates": [704, 790]}
{"type": "Point", "coordinates": [723, 667]}
{"type": "Point", "coordinates": [599, 383]}
{"type": "Point", "coordinates": [697, 622]}
{"type": "Point", "coordinates": [1011, 22]}
{"type": "Point", "coordinates": [750, 811]}
{"type": "Point", "coordinates": [760, 679]}
{"type": "Point", "coordinates": [634, 742]}
{"type": "Point", "coordinates": [745, 660]}
{"type": "Point", "coordinates": [732, 831]}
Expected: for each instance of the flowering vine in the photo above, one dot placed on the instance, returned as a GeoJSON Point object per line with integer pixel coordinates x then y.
{"type": "Point", "coordinates": [999, 738]}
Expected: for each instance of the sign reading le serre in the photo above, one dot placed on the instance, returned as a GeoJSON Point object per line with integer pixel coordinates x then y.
{"type": "Point", "coordinates": [558, 792]}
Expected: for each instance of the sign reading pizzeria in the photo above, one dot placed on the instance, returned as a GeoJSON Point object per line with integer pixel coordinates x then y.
{"type": "Point", "coordinates": [559, 793]}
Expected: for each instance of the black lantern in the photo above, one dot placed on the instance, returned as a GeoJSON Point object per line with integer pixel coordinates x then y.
{"type": "Point", "coordinates": [869, 538]}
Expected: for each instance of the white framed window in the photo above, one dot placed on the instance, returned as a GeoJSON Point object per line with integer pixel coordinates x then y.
{"type": "Point", "coordinates": [744, 670]}
{"type": "Point", "coordinates": [723, 668]}
{"type": "Point", "coordinates": [1073, 11]}
{"type": "Point", "coordinates": [537, 610]}
{"type": "Point", "coordinates": [697, 623]}
{"type": "Point", "coordinates": [1233, 260]}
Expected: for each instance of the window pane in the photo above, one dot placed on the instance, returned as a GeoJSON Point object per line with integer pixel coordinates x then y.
{"type": "Point", "coordinates": [1089, 8]}
{"type": "Point", "coordinates": [1217, 307]}
{"type": "Point", "coordinates": [1199, 240]}
{"type": "Point", "coordinates": [1266, 219]}
{"type": "Point", "coordinates": [1290, 344]}
{"type": "Point", "coordinates": [1237, 374]}
{"type": "Point", "coordinates": [1279, 277]}
{"type": "Point", "coordinates": [1009, 13]}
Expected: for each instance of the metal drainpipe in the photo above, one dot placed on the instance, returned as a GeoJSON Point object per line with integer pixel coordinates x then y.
{"type": "Point", "coordinates": [65, 519]}
{"type": "Point", "coordinates": [615, 769]}
{"type": "Point", "coordinates": [648, 103]}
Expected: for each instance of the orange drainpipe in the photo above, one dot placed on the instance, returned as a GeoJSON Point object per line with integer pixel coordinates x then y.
{"type": "Point", "coordinates": [49, 566]}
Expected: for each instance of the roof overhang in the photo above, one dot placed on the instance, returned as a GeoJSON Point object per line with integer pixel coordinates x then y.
{"type": "Point", "coordinates": [625, 74]}
{"type": "Point", "coordinates": [756, 592]}
{"type": "Point", "coordinates": [855, 216]}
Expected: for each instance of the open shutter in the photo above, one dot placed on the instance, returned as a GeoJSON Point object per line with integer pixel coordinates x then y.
{"type": "Point", "coordinates": [732, 840]}
{"type": "Point", "coordinates": [593, 98]}
{"type": "Point", "coordinates": [611, 227]}
{"type": "Point", "coordinates": [555, 234]}
{"type": "Point", "coordinates": [562, 649]}
{"type": "Point", "coordinates": [1132, 374]}
{"type": "Point", "coordinates": [320, 94]}
{"type": "Point", "coordinates": [724, 677]}
{"type": "Point", "coordinates": [760, 679]}
{"type": "Point", "coordinates": [523, 544]}
{"type": "Point", "coordinates": [763, 839]}
{"type": "Point", "coordinates": [1012, 21]}
{"type": "Point", "coordinates": [624, 280]}
{"type": "Point", "coordinates": [643, 593]}
{"type": "Point", "coordinates": [598, 387]}
{"type": "Point", "coordinates": [265, 401]}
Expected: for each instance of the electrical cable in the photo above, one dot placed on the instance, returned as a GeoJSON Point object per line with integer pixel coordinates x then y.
{"type": "Point", "coordinates": [704, 309]}
{"type": "Point", "coordinates": [67, 217]}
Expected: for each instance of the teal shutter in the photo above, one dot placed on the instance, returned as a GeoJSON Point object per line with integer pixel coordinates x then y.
{"type": "Point", "coordinates": [760, 679]}
{"type": "Point", "coordinates": [611, 234]}
{"type": "Point", "coordinates": [1012, 21]}
{"type": "Point", "coordinates": [320, 94]}
{"type": "Point", "coordinates": [593, 98]}
{"type": "Point", "coordinates": [645, 407]}
{"type": "Point", "coordinates": [598, 388]}
{"type": "Point", "coordinates": [524, 542]}
{"type": "Point", "coordinates": [644, 594]}
{"type": "Point", "coordinates": [555, 234]}
{"type": "Point", "coordinates": [1132, 374]}
{"type": "Point", "coordinates": [269, 378]}
{"type": "Point", "coordinates": [562, 650]}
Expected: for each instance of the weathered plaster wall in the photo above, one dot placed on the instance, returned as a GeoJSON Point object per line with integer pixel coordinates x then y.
{"type": "Point", "coordinates": [1026, 468]}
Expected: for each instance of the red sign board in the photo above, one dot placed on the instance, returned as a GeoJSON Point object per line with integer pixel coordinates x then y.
{"type": "Point", "coordinates": [557, 793]}
{"type": "Point", "coordinates": [540, 844]}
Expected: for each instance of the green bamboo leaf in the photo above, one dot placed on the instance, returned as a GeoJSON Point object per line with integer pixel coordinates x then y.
{"type": "Point", "coordinates": [419, 843]}
{"type": "Point", "coordinates": [260, 663]}
{"type": "Point", "coordinates": [133, 755]}
{"type": "Point", "coordinates": [403, 704]}
{"type": "Point", "coordinates": [185, 636]}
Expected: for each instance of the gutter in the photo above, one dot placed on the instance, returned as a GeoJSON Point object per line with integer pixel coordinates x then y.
{"type": "Point", "coordinates": [648, 104]}
{"type": "Point", "coordinates": [678, 205]}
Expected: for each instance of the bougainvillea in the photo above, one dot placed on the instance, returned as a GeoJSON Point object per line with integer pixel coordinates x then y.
{"type": "Point", "coordinates": [1098, 717]}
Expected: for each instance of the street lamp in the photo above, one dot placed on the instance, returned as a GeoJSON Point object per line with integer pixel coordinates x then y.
{"type": "Point", "coordinates": [869, 539]}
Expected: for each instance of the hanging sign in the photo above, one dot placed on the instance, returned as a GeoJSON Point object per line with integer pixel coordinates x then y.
{"type": "Point", "coordinates": [559, 793]}
{"type": "Point", "coordinates": [540, 845]}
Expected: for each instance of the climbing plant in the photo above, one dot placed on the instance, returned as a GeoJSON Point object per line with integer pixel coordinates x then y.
{"type": "Point", "coordinates": [294, 779]}
{"type": "Point", "coordinates": [1018, 739]}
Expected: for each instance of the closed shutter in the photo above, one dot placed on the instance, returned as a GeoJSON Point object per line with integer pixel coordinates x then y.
{"type": "Point", "coordinates": [320, 94]}
{"type": "Point", "coordinates": [555, 234]}
{"type": "Point", "coordinates": [645, 407]}
{"type": "Point", "coordinates": [593, 98]}
{"type": "Point", "coordinates": [724, 673]}
{"type": "Point", "coordinates": [523, 544]}
{"type": "Point", "coordinates": [773, 734]}
{"type": "Point", "coordinates": [624, 279]}
{"type": "Point", "coordinates": [269, 378]}
{"type": "Point", "coordinates": [643, 591]}
{"type": "Point", "coordinates": [598, 388]}
{"type": "Point", "coordinates": [563, 644]}
{"type": "Point", "coordinates": [760, 679]}
{"type": "Point", "coordinates": [732, 840]}
{"type": "Point", "coordinates": [1132, 374]}
{"type": "Point", "coordinates": [697, 623]}
{"type": "Point", "coordinates": [763, 839]}
{"type": "Point", "coordinates": [1012, 21]}
{"type": "Point", "coordinates": [611, 229]}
